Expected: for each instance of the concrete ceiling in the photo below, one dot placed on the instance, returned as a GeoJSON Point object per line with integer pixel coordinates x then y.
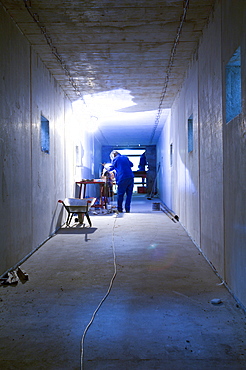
{"type": "Point", "coordinates": [114, 54]}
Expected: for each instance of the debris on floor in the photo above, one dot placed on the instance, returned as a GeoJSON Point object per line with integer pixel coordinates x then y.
{"type": "Point", "coordinates": [107, 210]}
{"type": "Point", "coordinates": [216, 301]}
{"type": "Point", "coordinates": [13, 277]}
{"type": "Point", "coordinates": [22, 275]}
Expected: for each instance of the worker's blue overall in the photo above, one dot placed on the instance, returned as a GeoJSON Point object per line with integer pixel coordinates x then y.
{"type": "Point", "coordinates": [124, 179]}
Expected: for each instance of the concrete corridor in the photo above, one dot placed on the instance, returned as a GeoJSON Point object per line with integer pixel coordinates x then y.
{"type": "Point", "coordinates": [158, 314]}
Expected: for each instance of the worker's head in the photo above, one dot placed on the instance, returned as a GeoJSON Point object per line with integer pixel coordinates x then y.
{"type": "Point", "coordinates": [113, 154]}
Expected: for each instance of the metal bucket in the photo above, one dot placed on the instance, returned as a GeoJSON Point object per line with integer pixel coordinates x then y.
{"type": "Point", "coordinates": [156, 206]}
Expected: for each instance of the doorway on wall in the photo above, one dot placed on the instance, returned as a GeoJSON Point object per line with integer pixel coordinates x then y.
{"type": "Point", "coordinates": [134, 156]}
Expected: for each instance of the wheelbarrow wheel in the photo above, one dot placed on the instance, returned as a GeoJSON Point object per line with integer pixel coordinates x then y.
{"type": "Point", "coordinates": [81, 217]}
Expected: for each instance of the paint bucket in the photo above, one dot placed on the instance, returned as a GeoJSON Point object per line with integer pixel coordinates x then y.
{"type": "Point", "coordinates": [156, 206]}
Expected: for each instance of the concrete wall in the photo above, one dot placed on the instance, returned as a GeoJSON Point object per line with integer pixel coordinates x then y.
{"type": "Point", "coordinates": [211, 144]}
{"type": "Point", "coordinates": [15, 134]}
{"type": "Point", "coordinates": [179, 177]}
{"type": "Point", "coordinates": [164, 178]}
{"type": "Point", "coordinates": [206, 187]}
{"type": "Point", "coordinates": [47, 170]}
{"type": "Point", "coordinates": [234, 142]}
{"type": "Point", "coordinates": [32, 181]}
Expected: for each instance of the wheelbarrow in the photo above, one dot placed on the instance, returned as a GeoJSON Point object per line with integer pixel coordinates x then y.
{"type": "Point", "coordinates": [77, 206]}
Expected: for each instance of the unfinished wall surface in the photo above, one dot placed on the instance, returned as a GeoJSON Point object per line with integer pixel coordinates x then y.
{"type": "Point", "coordinates": [207, 185]}
{"type": "Point", "coordinates": [15, 134]}
{"type": "Point", "coordinates": [180, 168]}
{"type": "Point", "coordinates": [97, 158]}
{"type": "Point", "coordinates": [89, 161]}
{"type": "Point", "coordinates": [48, 171]}
{"type": "Point", "coordinates": [234, 135]}
{"type": "Point", "coordinates": [211, 144]}
{"type": "Point", "coordinates": [164, 157]}
{"type": "Point", "coordinates": [31, 180]}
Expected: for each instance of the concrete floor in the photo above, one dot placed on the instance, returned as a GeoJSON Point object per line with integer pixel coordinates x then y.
{"type": "Point", "coordinates": [158, 314]}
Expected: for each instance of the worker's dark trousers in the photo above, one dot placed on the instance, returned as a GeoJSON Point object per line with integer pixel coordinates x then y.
{"type": "Point", "coordinates": [124, 187]}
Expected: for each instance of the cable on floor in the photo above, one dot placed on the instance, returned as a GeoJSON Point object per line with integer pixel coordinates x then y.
{"type": "Point", "coordinates": [100, 304]}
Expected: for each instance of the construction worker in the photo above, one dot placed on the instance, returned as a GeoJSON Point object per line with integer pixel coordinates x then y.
{"type": "Point", "coordinates": [124, 178]}
{"type": "Point", "coordinates": [142, 162]}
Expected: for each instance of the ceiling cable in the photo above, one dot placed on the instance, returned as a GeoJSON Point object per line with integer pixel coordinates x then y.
{"type": "Point", "coordinates": [48, 39]}
{"type": "Point", "coordinates": [169, 67]}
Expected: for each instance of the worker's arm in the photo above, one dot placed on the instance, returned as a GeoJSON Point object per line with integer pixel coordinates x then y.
{"type": "Point", "coordinates": [109, 166]}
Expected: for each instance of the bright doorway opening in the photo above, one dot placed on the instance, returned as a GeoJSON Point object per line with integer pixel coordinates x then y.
{"type": "Point", "coordinates": [134, 156]}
